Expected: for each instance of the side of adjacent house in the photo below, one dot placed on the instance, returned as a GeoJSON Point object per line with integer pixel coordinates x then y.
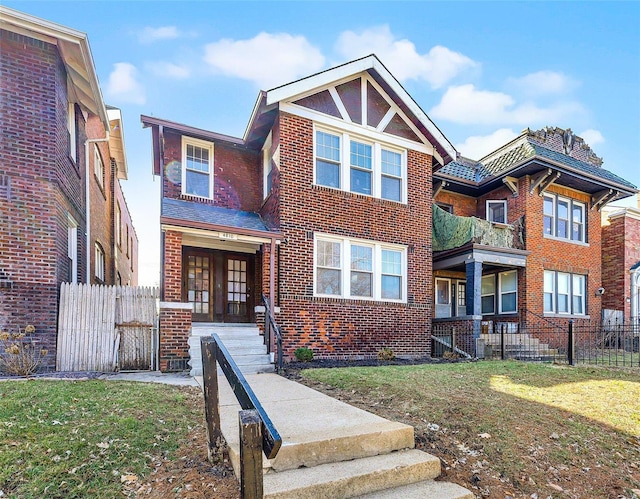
{"type": "Point", "coordinates": [518, 239]}
{"type": "Point", "coordinates": [323, 208]}
{"type": "Point", "coordinates": [59, 171]}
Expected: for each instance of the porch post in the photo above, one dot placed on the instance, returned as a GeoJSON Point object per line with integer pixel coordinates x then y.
{"type": "Point", "coordinates": [473, 292]}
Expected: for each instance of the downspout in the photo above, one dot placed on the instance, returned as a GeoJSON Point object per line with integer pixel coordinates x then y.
{"type": "Point", "coordinates": [272, 291]}
{"type": "Point", "coordinates": [635, 284]}
{"type": "Point", "coordinates": [87, 142]}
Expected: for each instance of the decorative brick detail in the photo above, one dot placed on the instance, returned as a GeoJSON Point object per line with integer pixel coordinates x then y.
{"type": "Point", "coordinates": [175, 329]}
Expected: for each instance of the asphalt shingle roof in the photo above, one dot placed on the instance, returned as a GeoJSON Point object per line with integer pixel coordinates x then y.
{"type": "Point", "coordinates": [189, 211]}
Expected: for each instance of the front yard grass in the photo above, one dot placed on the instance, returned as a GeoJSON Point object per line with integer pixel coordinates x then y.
{"type": "Point", "coordinates": [510, 428]}
{"type": "Point", "coordinates": [77, 439]}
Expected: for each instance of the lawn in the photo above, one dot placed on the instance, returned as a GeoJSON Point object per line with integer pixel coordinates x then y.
{"type": "Point", "coordinates": [510, 428]}
{"type": "Point", "coordinates": [89, 439]}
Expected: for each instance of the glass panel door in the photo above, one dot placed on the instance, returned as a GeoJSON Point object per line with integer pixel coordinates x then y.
{"type": "Point", "coordinates": [238, 296]}
{"type": "Point", "coordinates": [198, 285]}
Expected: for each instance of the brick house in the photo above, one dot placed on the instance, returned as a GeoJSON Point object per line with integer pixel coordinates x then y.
{"type": "Point", "coordinates": [517, 235]}
{"type": "Point", "coordinates": [61, 161]}
{"type": "Point", "coordinates": [323, 207]}
{"type": "Point", "coordinates": [621, 262]}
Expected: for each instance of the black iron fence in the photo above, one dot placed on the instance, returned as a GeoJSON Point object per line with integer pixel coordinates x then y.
{"type": "Point", "coordinates": [580, 342]}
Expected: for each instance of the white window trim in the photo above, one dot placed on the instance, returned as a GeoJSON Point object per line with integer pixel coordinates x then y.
{"type": "Point", "coordinates": [500, 292]}
{"type": "Point", "coordinates": [571, 295]}
{"type": "Point", "coordinates": [267, 165]}
{"type": "Point", "coordinates": [482, 295]}
{"type": "Point", "coordinates": [345, 267]}
{"type": "Point", "coordinates": [376, 159]}
{"type": "Point", "coordinates": [448, 281]}
{"type": "Point", "coordinates": [71, 127]}
{"type": "Point", "coordinates": [496, 201]}
{"type": "Point", "coordinates": [99, 262]}
{"type": "Point", "coordinates": [204, 145]}
{"type": "Point", "coordinates": [554, 219]}
{"type": "Point", "coordinates": [98, 166]}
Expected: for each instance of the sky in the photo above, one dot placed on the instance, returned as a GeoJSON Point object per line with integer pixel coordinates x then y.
{"type": "Point", "coordinates": [482, 71]}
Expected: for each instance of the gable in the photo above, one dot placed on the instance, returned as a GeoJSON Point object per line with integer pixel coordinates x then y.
{"type": "Point", "coordinates": [361, 101]}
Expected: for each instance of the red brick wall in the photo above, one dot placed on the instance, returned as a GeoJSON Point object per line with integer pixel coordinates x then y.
{"type": "Point", "coordinates": [237, 182]}
{"type": "Point", "coordinates": [270, 209]}
{"type": "Point", "coordinates": [463, 206]}
{"type": "Point", "coordinates": [172, 286]}
{"type": "Point", "coordinates": [44, 185]}
{"type": "Point", "coordinates": [620, 251]}
{"type": "Point", "coordinates": [175, 329]}
{"type": "Point", "coordinates": [344, 328]}
{"type": "Point", "coordinates": [126, 256]}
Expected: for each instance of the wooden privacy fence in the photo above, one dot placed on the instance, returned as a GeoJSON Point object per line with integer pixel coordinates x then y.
{"type": "Point", "coordinates": [107, 328]}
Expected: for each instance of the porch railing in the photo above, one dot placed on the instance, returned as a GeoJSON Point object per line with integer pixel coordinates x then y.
{"type": "Point", "coordinates": [257, 432]}
{"type": "Point", "coordinates": [272, 330]}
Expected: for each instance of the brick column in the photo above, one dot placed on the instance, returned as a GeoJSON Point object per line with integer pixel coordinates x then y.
{"type": "Point", "coordinates": [175, 329]}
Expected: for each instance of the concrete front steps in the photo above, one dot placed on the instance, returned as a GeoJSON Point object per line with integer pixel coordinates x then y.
{"type": "Point", "coordinates": [244, 342]}
{"type": "Point", "coordinates": [333, 450]}
{"type": "Point", "coordinates": [521, 346]}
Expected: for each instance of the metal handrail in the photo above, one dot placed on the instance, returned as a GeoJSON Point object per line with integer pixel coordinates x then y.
{"type": "Point", "coordinates": [271, 439]}
{"type": "Point", "coordinates": [269, 326]}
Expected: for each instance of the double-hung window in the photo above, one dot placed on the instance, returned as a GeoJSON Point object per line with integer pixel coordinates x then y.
{"type": "Point", "coordinates": [98, 166]}
{"type": "Point", "coordinates": [505, 290]}
{"type": "Point", "coordinates": [359, 269]}
{"type": "Point", "coordinates": [564, 293]}
{"type": "Point", "coordinates": [99, 262]}
{"type": "Point", "coordinates": [497, 211]}
{"type": "Point", "coordinates": [564, 218]}
{"type": "Point", "coordinates": [361, 166]}
{"type": "Point", "coordinates": [197, 173]}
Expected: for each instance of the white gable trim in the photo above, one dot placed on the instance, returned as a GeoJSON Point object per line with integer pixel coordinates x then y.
{"type": "Point", "coordinates": [329, 77]}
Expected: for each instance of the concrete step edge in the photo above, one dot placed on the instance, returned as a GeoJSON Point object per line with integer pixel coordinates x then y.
{"type": "Point", "coordinates": [352, 478]}
{"type": "Point", "coordinates": [419, 490]}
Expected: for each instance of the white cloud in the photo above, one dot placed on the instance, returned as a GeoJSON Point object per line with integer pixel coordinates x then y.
{"type": "Point", "coordinates": [268, 59]}
{"type": "Point", "coordinates": [592, 137]}
{"type": "Point", "coordinates": [169, 70]}
{"type": "Point", "coordinates": [477, 146]}
{"type": "Point", "coordinates": [436, 67]}
{"type": "Point", "coordinates": [150, 35]}
{"type": "Point", "coordinates": [467, 105]}
{"type": "Point", "coordinates": [123, 84]}
{"type": "Point", "coordinates": [543, 83]}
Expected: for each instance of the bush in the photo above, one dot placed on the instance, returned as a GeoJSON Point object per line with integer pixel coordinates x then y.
{"type": "Point", "coordinates": [303, 354]}
{"type": "Point", "coordinates": [386, 354]}
{"type": "Point", "coordinates": [20, 354]}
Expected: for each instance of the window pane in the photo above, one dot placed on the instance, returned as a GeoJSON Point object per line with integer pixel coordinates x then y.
{"type": "Point", "coordinates": [360, 181]}
{"type": "Point", "coordinates": [328, 146]}
{"type": "Point", "coordinates": [549, 281]}
{"type": "Point", "coordinates": [563, 303]}
{"type": "Point", "coordinates": [391, 262]}
{"type": "Point", "coordinates": [488, 285]}
{"type": "Point", "coordinates": [488, 304]}
{"type": "Point", "coordinates": [563, 283]}
{"type": "Point", "coordinates": [328, 254]}
{"type": "Point", "coordinates": [497, 212]}
{"type": "Point", "coordinates": [327, 173]}
{"type": "Point", "coordinates": [548, 225]}
{"type": "Point", "coordinates": [197, 158]}
{"type": "Point", "coordinates": [508, 282]}
{"type": "Point", "coordinates": [548, 206]}
{"type": "Point", "coordinates": [577, 229]}
{"type": "Point", "coordinates": [361, 284]}
{"type": "Point", "coordinates": [391, 163]}
{"type": "Point", "coordinates": [360, 155]}
{"type": "Point", "coordinates": [362, 258]}
{"type": "Point", "coordinates": [391, 287]}
{"type": "Point", "coordinates": [508, 302]}
{"type": "Point", "coordinates": [328, 282]}
{"type": "Point", "coordinates": [462, 299]}
{"type": "Point", "coordinates": [442, 292]}
{"type": "Point", "coordinates": [391, 188]}
{"type": "Point", "coordinates": [563, 219]}
{"type": "Point", "coordinates": [578, 294]}
{"type": "Point", "coordinates": [548, 302]}
{"type": "Point", "coordinates": [197, 184]}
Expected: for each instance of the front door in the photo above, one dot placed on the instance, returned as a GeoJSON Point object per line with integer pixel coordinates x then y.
{"type": "Point", "coordinates": [238, 301]}
{"type": "Point", "coordinates": [197, 268]}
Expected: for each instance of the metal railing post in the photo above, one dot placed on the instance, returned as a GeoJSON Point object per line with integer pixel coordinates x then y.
{"type": "Point", "coordinates": [570, 345]}
{"type": "Point", "coordinates": [251, 479]}
{"type": "Point", "coordinates": [211, 406]}
{"type": "Point", "coordinates": [502, 332]}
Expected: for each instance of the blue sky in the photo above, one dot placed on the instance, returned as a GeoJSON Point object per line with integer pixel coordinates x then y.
{"type": "Point", "coordinates": [482, 71]}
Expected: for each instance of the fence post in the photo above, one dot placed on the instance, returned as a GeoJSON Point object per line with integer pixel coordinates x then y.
{"type": "Point", "coordinates": [251, 480]}
{"type": "Point", "coordinates": [453, 340]}
{"type": "Point", "coordinates": [570, 346]}
{"type": "Point", "coordinates": [502, 331]}
{"type": "Point", "coordinates": [209, 350]}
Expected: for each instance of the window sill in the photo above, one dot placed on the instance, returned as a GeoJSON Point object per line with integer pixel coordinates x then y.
{"type": "Point", "coordinates": [355, 299]}
{"type": "Point", "coordinates": [337, 190]}
{"type": "Point", "coordinates": [562, 239]}
{"type": "Point", "coordinates": [565, 316]}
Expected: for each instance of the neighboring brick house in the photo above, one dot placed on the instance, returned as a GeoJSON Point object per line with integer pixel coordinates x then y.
{"type": "Point", "coordinates": [61, 152]}
{"type": "Point", "coordinates": [324, 206]}
{"type": "Point", "coordinates": [621, 262]}
{"type": "Point", "coordinates": [533, 253]}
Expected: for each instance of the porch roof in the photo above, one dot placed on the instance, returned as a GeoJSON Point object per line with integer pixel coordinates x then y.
{"type": "Point", "coordinates": [200, 215]}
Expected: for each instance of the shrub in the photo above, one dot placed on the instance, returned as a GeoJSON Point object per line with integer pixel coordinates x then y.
{"type": "Point", "coordinates": [19, 354]}
{"type": "Point", "coordinates": [303, 354]}
{"type": "Point", "coordinates": [386, 354]}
